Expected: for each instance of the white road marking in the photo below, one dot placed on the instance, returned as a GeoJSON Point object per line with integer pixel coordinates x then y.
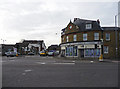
{"type": "Point", "coordinates": [23, 73]}
{"type": "Point", "coordinates": [91, 61]}
{"type": "Point", "coordinates": [28, 70]}
{"type": "Point", "coordinates": [41, 63]}
{"type": "Point", "coordinates": [65, 63]}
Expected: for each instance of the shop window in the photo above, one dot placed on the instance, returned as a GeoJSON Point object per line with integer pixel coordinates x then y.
{"type": "Point", "coordinates": [96, 36]}
{"type": "Point", "coordinates": [71, 51]}
{"type": "Point", "coordinates": [107, 36]}
{"type": "Point", "coordinates": [75, 38]}
{"type": "Point", "coordinates": [92, 52]}
{"type": "Point", "coordinates": [88, 26]}
{"type": "Point", "coordinates": [105, 49]}
{"type": "Point", "coordinates": [85, 37]}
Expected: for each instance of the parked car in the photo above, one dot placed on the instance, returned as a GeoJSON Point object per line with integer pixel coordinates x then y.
{"type": "Point", "coordinates": [43, 53]}
{"type": "Point", "coordinates": [51, 53]}
{"type": "Point", "coordinates": [31, 53]}
{"type": "Point", "coordinates": [11, 54]}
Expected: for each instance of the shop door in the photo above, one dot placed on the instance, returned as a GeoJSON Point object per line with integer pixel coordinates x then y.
{"type": "Point", "coordinates": [82, 53]}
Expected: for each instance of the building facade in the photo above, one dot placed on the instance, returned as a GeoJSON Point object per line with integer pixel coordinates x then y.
{"type": "Point", "coordinates": [7, 48]}
{"type": "Point", "coordinates": [30, 46]}
{"type": "Point", "coordinates": [87, 39]}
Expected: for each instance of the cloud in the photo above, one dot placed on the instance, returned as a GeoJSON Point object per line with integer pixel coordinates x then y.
{"type": "Point", "coordinates": [38, 19]}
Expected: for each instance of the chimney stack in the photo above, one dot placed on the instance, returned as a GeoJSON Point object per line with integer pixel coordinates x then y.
{"type": "Point", "coordinates": [98, 21]}
{"type": "Point", "coordinates": [75, 19]}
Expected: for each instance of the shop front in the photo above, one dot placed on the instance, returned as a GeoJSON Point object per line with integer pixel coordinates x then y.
{"type": "Point", "coordinates": [81, 50]}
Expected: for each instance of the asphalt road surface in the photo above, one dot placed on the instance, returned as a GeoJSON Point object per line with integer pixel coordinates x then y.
{"type": "Point", "coordinates": [36, 71]}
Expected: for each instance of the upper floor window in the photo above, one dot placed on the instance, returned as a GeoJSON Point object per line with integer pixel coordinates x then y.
{"type": "Point", "coordinates": [67, 39]}
{"type": "Point", "coordinates": [105, 49]}
{"type": "Point", "coordinates": [84, 36]}
{"type": "Point", "coordinates": [96, 36]}
{"type": "Point", "coordinates": [88, 26]}
{"type": "Point", "coordinates": [74, 37]}
{"type": "Point", "coordinates": [107, 36]}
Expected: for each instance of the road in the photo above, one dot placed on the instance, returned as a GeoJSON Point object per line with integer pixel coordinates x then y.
{"type": "Point", "coordinates": [36, 71]}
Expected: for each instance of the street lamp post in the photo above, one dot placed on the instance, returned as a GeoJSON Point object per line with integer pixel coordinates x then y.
{"type": "Point", "coordinates": [116, 38]}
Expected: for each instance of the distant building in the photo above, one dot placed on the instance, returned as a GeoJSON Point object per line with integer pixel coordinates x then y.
{"type": "Point", "coordinates": [30, 46]}
{"type": "Point", "coordinates": [7, 48]}
{"type": "Point", "coordinates": [87, 39]}
{"type": "Point", "coordinates": [54, 47]}
{"type": "Point", "coordinates": [119, 14]}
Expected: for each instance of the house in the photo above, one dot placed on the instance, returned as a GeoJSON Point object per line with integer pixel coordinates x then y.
{"type": "Point", "coordinates": [27, 46]}
{"type": "Point", "coordinates": [86, 39]}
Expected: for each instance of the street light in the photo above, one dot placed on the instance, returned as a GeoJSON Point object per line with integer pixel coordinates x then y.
{"type": "Point", "coordinates": [116, 32]}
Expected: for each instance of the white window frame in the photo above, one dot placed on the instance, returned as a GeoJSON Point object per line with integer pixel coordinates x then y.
{"type": "Point", "coordinates": [107, 49]}
{"type": "Point", "coordinates": [107, 34]}
{"type": "Point", "coordinates": [67, 39]}
{"type": "Point", "coordinates": [96, 36]}
{"type": "Point", "coordinates": [88, 25]}
{"type": "Point", "coordinates": [85, 37]}
{"type": "Point", "coordinates": [74, 37]}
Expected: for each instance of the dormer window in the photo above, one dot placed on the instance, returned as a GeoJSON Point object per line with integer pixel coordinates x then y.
{"type": "Point", "coordinates": [88, 25]}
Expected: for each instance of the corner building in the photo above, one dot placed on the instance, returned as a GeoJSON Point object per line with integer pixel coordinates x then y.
{"type": "Point", "coordinates": [84, 39]}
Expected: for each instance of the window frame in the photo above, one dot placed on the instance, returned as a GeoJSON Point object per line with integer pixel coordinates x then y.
{"type": "Point", "coordinates": [88, 26]}
{"type": "Point", "coordinates": [75, 37]}
{"type": "Point", "coordinates": [96, 36]}
{"type": "Point", "coordinates": [107, 50]}
{"type": "Point", "coordinates": [107, 35]}
{"type": "Point", "coordinates": [85, 36]}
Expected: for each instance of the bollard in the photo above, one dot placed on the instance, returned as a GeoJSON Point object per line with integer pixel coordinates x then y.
{"type": "Point", "coordinates": [101, 58]}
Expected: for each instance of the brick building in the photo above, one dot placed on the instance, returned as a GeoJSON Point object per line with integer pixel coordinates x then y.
{"type": "Point", "coordinates": [86, 38]}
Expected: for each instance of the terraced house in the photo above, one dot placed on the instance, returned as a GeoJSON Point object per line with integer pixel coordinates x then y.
{"type": "Point", "coordinates": [86, 38]}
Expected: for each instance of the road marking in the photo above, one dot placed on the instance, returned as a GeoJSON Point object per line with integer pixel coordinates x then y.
{"type": "Point", "coordinates": [73, 61]}
{"type": "Point", "coordinates": [41, 63]}
{"type": "Point", "coordinates": [65, 63]}
{"type": "Point", "coordinates": [91, 61]}
{"type": "Point", "coordinates": [23, 73]}
{"type": "Point", "coordinates": [28, 70]}
{"type": "Point", "coordinates": [2, 61]}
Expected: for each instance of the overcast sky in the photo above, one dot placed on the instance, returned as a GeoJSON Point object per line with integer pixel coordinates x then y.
{"type": "Point", "coordinates": [44, 19]}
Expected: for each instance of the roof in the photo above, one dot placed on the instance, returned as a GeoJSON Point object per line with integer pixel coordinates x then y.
{"type": "Point", "coordinates": [33, 41]}
{"type": "Point", "coordinates": [81, 23]}
{"type": "Point", "coordinates": [111, 28]}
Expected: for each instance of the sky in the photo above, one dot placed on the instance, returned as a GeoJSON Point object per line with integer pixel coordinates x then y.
{"type": "Point", "coordinates": [44, 19]}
